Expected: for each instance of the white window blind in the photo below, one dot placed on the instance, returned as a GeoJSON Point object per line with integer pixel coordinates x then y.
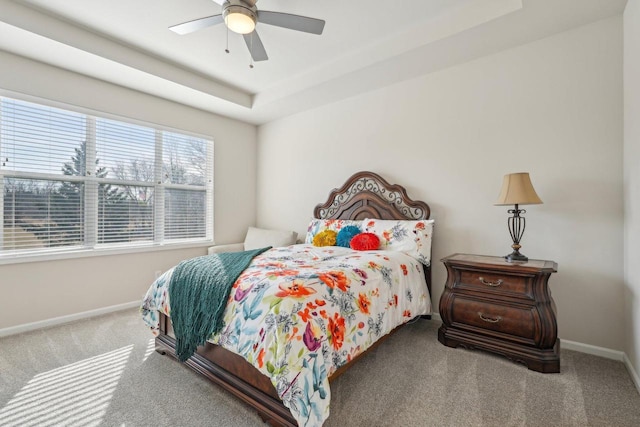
{"type": "Point", "coordinates": [183, 158]}
{"type": "Point", "coordinates": [72, 180]}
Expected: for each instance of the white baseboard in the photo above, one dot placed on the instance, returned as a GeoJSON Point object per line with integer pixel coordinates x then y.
{"type": "Point", "coordinates": [607, 353]}
{"type": "Point", "coordinates": [65, 319]}
{"type": "Point", "coordinates": [632, 371]}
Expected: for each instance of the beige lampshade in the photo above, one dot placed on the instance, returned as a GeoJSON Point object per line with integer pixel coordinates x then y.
{"type": "Point", "coordinates": [517, 190]}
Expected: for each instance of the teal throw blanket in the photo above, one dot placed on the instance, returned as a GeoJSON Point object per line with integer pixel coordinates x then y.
{"type": "Point", "coordinates": [198, 294]}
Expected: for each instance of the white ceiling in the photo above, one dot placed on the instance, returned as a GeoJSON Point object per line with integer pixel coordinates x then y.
{"type": "Point", "coordinates": [365, 45]}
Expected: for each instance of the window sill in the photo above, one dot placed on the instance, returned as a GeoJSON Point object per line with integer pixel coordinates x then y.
{"type": "Point", "coordinates": [85, 253]}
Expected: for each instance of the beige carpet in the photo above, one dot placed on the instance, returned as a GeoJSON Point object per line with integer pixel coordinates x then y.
{"type": "Point", "coordinates": [104, 372]}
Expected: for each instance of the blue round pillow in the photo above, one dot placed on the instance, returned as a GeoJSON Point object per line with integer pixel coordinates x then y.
{"type": "Point", "coordinates": [346, 234]}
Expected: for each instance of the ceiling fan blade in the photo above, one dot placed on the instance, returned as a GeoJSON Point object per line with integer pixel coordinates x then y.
{"type": "Point", "coordinates": [197, 24]}
{"type": "Point", "coordinates": [292, 22]}
{"type": "Point", "coordinates": [256, 48]}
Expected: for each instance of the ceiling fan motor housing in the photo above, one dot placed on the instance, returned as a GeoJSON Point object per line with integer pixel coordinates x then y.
{"type": "Point", "coordinates": [240, 9]}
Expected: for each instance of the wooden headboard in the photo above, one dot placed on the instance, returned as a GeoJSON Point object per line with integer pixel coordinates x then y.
{"type": "Point", "coordinates": [368, 195]}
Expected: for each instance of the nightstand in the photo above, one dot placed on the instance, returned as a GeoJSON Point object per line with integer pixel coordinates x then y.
{"type": "Point", "coordinates": [502, 307]}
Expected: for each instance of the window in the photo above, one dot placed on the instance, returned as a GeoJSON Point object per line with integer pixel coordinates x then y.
{"type": "Point", "coordinates": [75, 181]}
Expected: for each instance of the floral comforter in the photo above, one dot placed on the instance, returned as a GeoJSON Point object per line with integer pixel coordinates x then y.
{"type": "Point", "coordinates": [298, 313]}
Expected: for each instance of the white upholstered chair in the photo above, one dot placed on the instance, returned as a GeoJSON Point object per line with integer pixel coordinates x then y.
{"type": "Point", "coordinates": [258, 238]}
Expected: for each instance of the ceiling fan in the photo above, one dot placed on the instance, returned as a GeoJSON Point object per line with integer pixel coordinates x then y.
{"type": "Point", "coordinates": [241, 16]}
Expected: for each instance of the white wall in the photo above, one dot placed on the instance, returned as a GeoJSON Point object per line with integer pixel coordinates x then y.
{"type": "Point", "coordinates": [632, 179]}
{"type": "Point", "coordinates": [552, 108]}
{"type": "Point", "coordinates": [32, 292]}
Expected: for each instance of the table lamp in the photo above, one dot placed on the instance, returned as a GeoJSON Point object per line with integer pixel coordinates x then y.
{"type": "Point", "coordinates": [517, 190]}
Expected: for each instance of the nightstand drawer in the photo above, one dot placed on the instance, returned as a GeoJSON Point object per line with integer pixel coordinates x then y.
{"type": "Point", "coordinates": [507, 320]}
{"type": "Point", "coordinates": [483, 281]}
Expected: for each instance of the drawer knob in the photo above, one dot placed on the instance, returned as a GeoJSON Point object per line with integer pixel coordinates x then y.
{"type": "Point", "coordinates": [490, 319]}
{"type": "Point", "coordinates": [489, 283]}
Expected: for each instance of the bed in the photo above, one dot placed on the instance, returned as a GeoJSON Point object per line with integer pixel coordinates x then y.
{"type": "Point", "coordinates": [365, 195]}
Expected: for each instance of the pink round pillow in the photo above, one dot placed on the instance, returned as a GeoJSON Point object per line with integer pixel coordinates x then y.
{"type": "Point", "coordinates": [365, 242]}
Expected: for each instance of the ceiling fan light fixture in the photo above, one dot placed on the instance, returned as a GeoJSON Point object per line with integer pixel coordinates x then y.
{"type": "Point", "coordinates": [241, 16]}
{"type": "Point", "coordinates": [240, 19]}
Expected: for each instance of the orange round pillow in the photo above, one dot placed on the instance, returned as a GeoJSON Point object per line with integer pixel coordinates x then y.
{"type": "Point", "coordinates": [365, 242]}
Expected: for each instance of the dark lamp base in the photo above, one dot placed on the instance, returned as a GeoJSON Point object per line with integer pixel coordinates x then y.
{"type": "Point", "coordinates": [515, 256]}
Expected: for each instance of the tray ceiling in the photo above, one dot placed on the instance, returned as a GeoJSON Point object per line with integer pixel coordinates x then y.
{"type": "Point", "coordinates": [365, 45]}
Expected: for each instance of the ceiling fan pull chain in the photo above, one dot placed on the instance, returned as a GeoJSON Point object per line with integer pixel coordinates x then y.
{"type": "Point", "coordinates": [227, 49]}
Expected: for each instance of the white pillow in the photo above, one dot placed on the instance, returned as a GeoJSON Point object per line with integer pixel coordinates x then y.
{"type": "Point", "coordinates": [260, 238]}
{"type": "Point", "coordinates": [410, 237]}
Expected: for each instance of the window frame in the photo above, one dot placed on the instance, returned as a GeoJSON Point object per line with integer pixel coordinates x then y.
{"type": "Point", "coordinates": [90, 246]}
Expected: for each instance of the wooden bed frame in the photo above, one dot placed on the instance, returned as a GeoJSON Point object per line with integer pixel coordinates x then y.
{"type": "Point", "coordinates": [364, 195]}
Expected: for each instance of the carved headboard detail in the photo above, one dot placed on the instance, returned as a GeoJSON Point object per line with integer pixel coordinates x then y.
{"type": "Point", "coordinates": [368, 195]}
